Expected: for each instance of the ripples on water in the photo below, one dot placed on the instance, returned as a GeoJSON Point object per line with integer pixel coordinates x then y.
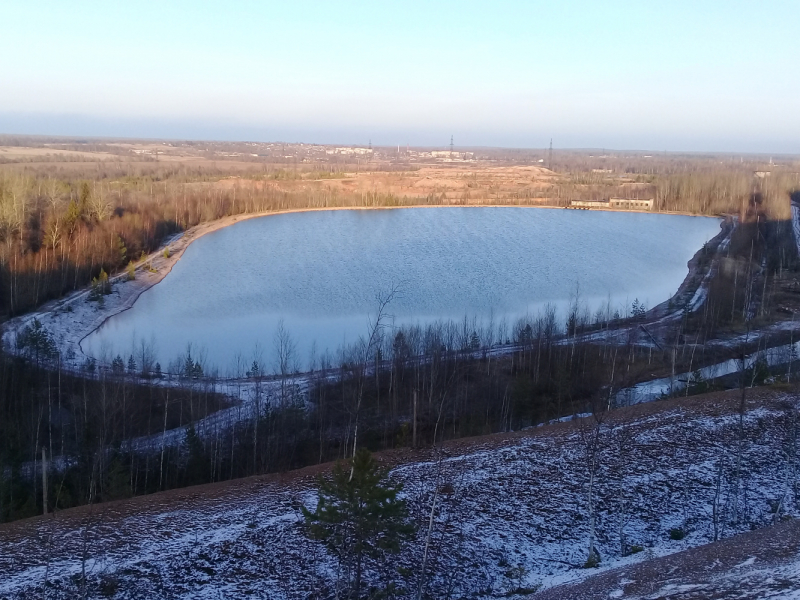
{"type": "Point", "coordinates": [320, 273]}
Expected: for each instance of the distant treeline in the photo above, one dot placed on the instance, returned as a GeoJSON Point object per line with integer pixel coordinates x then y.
{"type": "Point", "coordinates": [58, 231]}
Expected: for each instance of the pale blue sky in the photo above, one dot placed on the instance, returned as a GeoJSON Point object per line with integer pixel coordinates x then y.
{"type": "Point", "coordinates": [677, 75]}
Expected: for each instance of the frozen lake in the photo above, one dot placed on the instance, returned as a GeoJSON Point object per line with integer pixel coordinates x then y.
{"type": "Point", "coordinates": [320, 273]}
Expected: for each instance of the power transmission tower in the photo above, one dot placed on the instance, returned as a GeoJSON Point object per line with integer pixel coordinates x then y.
{"type": "Point", "coordinates": [451, 146]}
{"type": "Point", "coordinates": [550, 156]}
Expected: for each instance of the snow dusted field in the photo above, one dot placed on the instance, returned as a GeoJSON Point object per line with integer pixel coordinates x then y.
{"type": "Point", "coordinates": [760, 564]}
{"type": "Point", "coordinates": [512, 512]}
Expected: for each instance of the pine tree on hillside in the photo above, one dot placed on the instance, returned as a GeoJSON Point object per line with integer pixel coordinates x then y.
{"type": "Point", "coordinates": [359, 516]}
{"type": "Point", "coordinates": [36, 342]}
{"type": "Point", "coordinates": [197, 461]}
{"type": "Point", "coordinates": [117, 366]}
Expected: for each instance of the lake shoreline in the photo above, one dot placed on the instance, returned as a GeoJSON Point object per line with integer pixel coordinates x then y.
{"type": "Point", "coordinates": [73, 318]}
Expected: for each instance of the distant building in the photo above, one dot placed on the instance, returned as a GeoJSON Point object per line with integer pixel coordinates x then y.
{"type": "Point", "coordinates": [448, 155]}
{"type": "Point", "coordinates": [354, 151]}
{"type": "Point", "coordinates": [620, 203]}
{"type": "Point", "coordinates": [584, 204]}
{"type": "Point", "coordinates": [635, 203]}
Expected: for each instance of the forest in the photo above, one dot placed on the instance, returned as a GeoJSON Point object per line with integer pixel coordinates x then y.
{"type": "Point", "coordinates": [69, 438]}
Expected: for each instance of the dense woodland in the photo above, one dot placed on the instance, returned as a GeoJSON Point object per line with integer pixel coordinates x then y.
{"type": "Point", "coordinates": [395, 388]}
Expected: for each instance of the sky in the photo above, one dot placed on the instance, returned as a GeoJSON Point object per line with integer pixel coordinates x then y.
{"type": "Point", "coordinates": [700, 75]}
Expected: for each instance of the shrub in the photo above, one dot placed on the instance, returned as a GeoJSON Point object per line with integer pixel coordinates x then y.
{"type": "Point", "coordinates": [592, 562]}
{"type": "Point", "coordinates": [101, 286]}
{"type": "Point", "coordinates": [676, 533]}
{"type": "Point", "coordinates": [108, 586]}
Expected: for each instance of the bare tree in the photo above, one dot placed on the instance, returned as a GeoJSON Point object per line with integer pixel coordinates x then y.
{"type": "Point", "coordinates": [366, 349]}
{"type": "Point", "coordinates": [285, 356]}
{"type": "Point", "coordinates": [591, 431]}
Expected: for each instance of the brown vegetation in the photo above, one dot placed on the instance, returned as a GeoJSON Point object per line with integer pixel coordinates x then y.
{"type": "Point", "coordinates": [59, 227]}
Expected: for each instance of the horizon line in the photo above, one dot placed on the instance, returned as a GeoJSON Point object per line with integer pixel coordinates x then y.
{"type": "Point", "coordinates": [578, 149]}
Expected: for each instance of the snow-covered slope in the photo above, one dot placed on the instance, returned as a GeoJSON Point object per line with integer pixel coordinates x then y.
{"type": "Point", "coordinates": [750, 566]}
{"type": "Point", "coordinates": [512, 512]}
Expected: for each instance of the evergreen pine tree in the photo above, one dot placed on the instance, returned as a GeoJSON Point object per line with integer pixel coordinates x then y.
{"type": "Point", "coordinates": [359, 516]}
{"type": "Point", "coordinates": [37, 342]}
{"type": "Point", "coordinates": [122, 249]}
{"type": "Point", "coordinates": [118, 482]}
{"type": "Point", "coordinates": [188, 365]}
{"type": "Point", "coordinates": [474, 341]}
{"type": "Point", "coordinates": [197, 461]}
{"type": "Point", "coordinates": [117, 366]}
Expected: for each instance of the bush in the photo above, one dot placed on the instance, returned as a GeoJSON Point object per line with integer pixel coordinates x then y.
{"type": "Point", "coordinates": [677, 534]}
{"type": "Point", "coordinates": [592, 562]}
{"type": "Point", "coordinates": [759, 373]}
{"type": "Point", "coordinates": [166, 252]}
{"type": "Point", "coordinates": [108, 586]}
{"type": "Point", "coordinates": [101, 286]}
{"type": "Point", "coordinates": [635, 549]}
